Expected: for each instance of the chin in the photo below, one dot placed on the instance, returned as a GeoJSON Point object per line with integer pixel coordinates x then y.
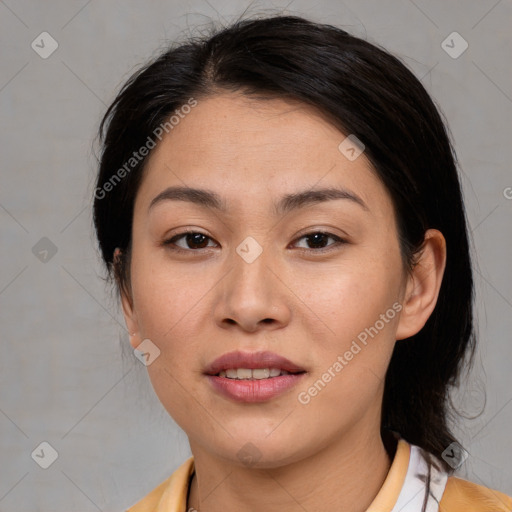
{"type": "Point", "coordinates": [260, 452]}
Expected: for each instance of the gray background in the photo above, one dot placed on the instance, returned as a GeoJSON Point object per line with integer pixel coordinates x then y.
{"type": "Point", "coordinates": [63, 378]}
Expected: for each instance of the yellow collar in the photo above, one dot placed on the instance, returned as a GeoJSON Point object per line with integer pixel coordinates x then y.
{"type": "Point", "coordinates": [399, 492]}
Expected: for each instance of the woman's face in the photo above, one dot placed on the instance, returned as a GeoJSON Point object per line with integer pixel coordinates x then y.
{"type": "Point", "coordinates": [258, 276]}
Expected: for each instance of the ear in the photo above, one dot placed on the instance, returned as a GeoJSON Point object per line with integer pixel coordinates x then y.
{"type": "Point", "coordinates": [423, 285]}
{"type": "Point", "coordinates": [130, 316]}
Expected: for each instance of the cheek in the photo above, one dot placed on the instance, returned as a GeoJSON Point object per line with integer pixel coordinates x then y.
{"type": "Point", "coordinates": [170, 313]}
{"type": "Point", "coordinates": [167, 297]}
{"type": "Point", "coordinates": [343, 299]}
{"type": "Point", "coordinates": [350, 318]}
{"type": "Point", "coordinates": [352, 331]}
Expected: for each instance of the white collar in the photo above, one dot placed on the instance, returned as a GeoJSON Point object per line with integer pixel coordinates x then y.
{"type": "Point", "coordinates": [413, 491]}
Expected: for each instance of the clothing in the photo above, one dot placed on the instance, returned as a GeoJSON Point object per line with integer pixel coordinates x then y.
{"type": "Point", "coordinates": [403, 489]}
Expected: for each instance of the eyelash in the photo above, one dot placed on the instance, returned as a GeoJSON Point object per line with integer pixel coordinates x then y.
{"type": "Point", "coordinates": [170, 243]}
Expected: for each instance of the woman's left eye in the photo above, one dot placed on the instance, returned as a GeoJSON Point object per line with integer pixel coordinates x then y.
{"type": "Point", "coordinates": [318, 239]}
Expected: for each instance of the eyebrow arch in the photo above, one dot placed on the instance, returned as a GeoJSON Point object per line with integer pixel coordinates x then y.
{"type": "Point", "coordinates": [297, 200]}
{"type": "Point", "coordinates": [287, 203]}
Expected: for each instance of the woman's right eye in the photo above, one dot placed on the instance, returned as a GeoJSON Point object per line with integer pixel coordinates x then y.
{"type": "Point", "coordinates": [193, 240]}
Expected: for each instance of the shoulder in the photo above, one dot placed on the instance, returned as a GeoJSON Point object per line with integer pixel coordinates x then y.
{"type": "Point", "coordinates": [150, 502]}
{"type": "Point", "coordinates": [171, 494]}
{"type": "Point", "coordinates": [463, 496]}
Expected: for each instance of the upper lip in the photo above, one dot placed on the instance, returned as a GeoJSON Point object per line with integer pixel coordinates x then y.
{"type": "Point", "coordinates": [239, 359]}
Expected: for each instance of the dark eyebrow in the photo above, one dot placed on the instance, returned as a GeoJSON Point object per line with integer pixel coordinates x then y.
{"type": "Point", "coordinates": [197, 196]}
{"type": "Point", "coordinates": [286, 204]}
{"type": "Point", "coordinates": [300, 199]}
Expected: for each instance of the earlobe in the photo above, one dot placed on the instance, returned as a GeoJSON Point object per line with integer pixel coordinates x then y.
{"type": "Point", "coordinates": [423, 285]}
{"type": "Point", "coordinates": [130, 319]}
{"type": "Point", "coordinates": [134, 340]}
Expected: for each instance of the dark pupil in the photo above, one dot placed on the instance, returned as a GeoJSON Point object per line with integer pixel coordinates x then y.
{"type": "Point", "coordinates": [317, 239]}
{"type": "Point", "coordinates": [197, 239]}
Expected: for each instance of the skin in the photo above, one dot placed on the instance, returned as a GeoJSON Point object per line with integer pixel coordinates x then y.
{"type": "Point", "coordinates": [294, 299]}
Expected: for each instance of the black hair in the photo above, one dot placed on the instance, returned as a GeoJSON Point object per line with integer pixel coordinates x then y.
{"type": "Point", "coordinates": [363, 90]}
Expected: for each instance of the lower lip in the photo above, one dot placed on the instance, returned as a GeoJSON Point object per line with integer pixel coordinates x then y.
{"type": "Point", "coordinates": [254, 390]}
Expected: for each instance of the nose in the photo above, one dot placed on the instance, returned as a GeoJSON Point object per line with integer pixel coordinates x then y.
{"type": "Point", "coordinates": [252, 296]}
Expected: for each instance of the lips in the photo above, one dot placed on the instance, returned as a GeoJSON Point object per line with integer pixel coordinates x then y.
{"type": "Point", "coordinates": [252, 360]}
{"type": "Point", "coordinates": [251, 385]}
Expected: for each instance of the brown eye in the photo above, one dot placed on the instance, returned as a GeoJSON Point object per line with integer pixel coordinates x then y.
{"type": "Point", "coordinates": [192, 240]}
{"type": "Point", "coordinates": [318, 240]}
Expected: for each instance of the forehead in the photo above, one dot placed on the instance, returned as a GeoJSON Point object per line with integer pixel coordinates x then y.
{"type": "Point", "coordinates": [270, 126]}
{"type": "Point", "coordinates": [241, 146]}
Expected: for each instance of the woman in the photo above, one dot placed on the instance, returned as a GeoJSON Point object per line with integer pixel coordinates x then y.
{"type": "Point", "coordinates": [280, 207]}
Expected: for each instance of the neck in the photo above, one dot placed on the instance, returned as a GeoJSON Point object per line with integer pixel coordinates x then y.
{"type": "Point", "coordinates": [346, 475]}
